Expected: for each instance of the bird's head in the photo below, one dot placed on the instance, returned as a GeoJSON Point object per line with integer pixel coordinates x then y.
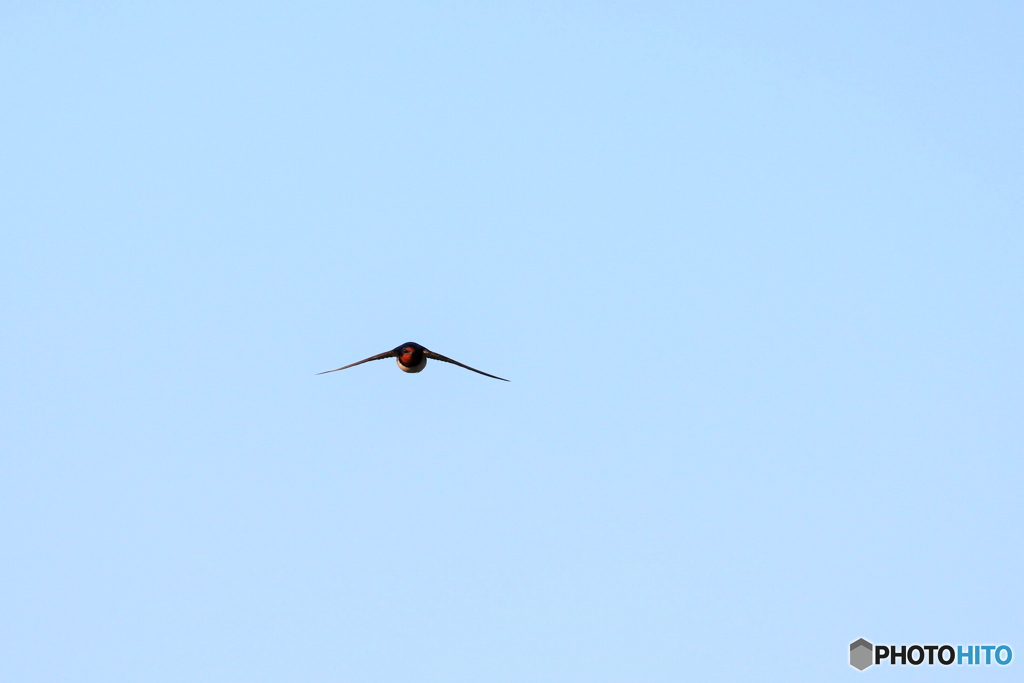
{"type": "Point", "coordinates": [410, 353]}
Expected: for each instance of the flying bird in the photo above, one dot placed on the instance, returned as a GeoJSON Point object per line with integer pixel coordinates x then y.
{"type": "Point", "coordinates": [412, 357]}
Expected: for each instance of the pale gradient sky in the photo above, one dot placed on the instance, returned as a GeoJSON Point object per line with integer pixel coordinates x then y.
{"type": "Point", "coordinates": [754, 270]}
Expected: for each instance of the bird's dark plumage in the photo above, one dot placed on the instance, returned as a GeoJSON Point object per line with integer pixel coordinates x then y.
{"type": "Point", "coordinates": [412, 357]}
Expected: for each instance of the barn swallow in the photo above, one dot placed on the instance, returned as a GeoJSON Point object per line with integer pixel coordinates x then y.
{"type": "Point", "coordinates": [412, 357]}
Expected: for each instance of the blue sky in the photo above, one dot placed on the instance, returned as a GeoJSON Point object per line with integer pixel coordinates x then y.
{"type": "Point", "coordinates": [754, 270]}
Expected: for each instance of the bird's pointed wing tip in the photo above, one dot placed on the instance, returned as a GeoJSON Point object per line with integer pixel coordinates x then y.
{"type": "Point", "coordinates": [379, 356]}
{"type": "Point", "coordinates": [446, 359]}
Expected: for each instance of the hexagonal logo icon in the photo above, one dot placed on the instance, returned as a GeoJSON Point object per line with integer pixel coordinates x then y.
{"type": "Point", "coordinates": [861, 654]}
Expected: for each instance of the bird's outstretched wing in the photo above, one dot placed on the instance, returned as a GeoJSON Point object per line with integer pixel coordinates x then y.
{"type": "Point", "coordinates": [379, 356]}
{"type": "Point", "coordinates": [437, 356]}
